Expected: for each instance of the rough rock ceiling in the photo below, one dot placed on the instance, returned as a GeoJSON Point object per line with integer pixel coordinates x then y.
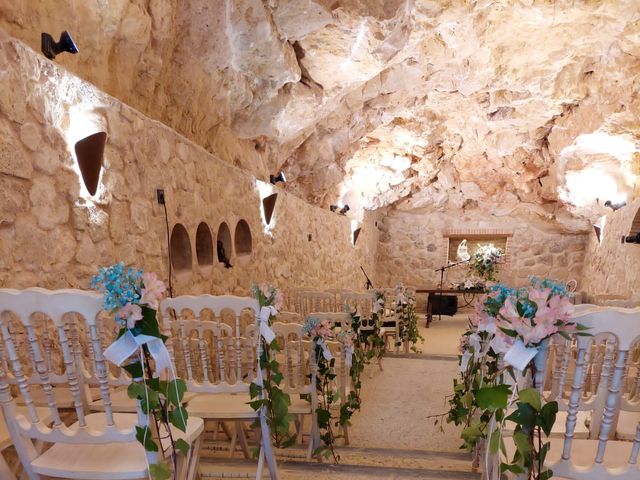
{"type": "Point", "coordinates": [512, 106]}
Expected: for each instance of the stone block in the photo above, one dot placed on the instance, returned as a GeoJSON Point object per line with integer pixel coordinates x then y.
{"type": "Point", "coordinates": [49, 208]}
{"type": "Point", "coordinates": [14, 160]}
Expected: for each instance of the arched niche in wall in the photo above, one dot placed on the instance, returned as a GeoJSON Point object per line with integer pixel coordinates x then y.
{"type": "Point", "coordinates": [223, 245]}
{"type": "Point", "coordinates": [242, 239]}
{"type": "Point", "coordinates": [181, 256]}
{"type": "Point", "coordinates": [204, 245]}
{"type": "Point", "coordinates": [634, 232]}
{"type": "Point", "coordinates": [90, 155]}
{"type": "Point", "coordinates": [268, 206]}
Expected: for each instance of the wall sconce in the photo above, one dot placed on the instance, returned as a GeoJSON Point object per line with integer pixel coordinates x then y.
{"type": "Point", "coordinates": [50, 48]}
{"type": "Point", "coordinates": [278, 178]}
{"type": "Point", "coordinates": [615, 205]}
{"type": "Point", "coordinates": [90, 154]}
{"type": "Point", "coordinates": [344, 210]}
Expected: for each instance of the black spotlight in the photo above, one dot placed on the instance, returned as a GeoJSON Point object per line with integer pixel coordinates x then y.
{"type": "Point", "coordinates": [333, 208]}
{"type": "Point", "coordinates": [279, 178]}
{"type": "Point", "coordinates": [51, 48]}
{"type": "Point", "coordinates": [615, 205]}
{"type": "Point", "coordinates": [344, 210]}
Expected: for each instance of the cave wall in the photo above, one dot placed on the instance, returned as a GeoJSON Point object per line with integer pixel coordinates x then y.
{"type": "Point", "coordinates": [413, 245]}
{"type": "Point", "coordinates": [53, 234]}
{"type": "Point", "coordinates": [612, 268]}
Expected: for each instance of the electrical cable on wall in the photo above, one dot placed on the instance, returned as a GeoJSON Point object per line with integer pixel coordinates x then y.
{"type": "Point", "coordinates": [161, 201]}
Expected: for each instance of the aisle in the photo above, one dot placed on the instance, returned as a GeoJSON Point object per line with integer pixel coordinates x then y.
{"type": "Point", "coordinates": [398, 401]}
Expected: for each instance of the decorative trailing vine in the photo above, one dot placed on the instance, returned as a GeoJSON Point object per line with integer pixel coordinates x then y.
{"type": "Point", "coordinates": [133, 297]}
{"type": "Point", "coordinates": [325, 381]}
{"type": "Point", "coordinates": [408, 320]}
{"type": "Point", "coordinates": [270, 394]}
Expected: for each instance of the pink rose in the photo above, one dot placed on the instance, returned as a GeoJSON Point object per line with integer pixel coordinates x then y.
{"type": "Point", "coordinates": [278, 301]}
{"type": "Point", "coordinates": [152, 291]}
{"type": "Point", "coordinates": [130, 313]}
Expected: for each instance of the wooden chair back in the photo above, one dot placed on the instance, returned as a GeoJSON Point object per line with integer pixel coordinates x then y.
{"type": "Point", "coordinates": [338, 320]}
{"type": "Point", "coordinates": [209, 354]}
{"type": "Point", "coordinates": [623, 326]}
{"type": "Point", "coordinates": [315, 302]}
{"type": "Point", "coordinates": [289, 317]}
{"type": "Point", "coordinates": [64, 310]}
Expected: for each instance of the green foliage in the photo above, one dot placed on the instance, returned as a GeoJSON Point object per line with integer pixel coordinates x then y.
{"type": "Point", "coordinates": [408, 326]}
{"type": "Point", "coordinates": [272, 398]}
{"type": "Point", "coordinates": [161, 400]}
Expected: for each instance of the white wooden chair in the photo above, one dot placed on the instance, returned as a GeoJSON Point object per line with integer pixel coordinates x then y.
{"type": "Point", "coordinates": [338, 320]}
{"type": "Point", "coordinates": [295, 365]}
{"type": "Point", "coordinates": [603, 458]}
{"type": "Point", "coordinates": [224, 366]}
{"type": "Point", "coordinates": [85, 449]}
{"type": "Point", "coordinates": [289, 317]}
{"type": "Point", "coordinates": [311, 301]}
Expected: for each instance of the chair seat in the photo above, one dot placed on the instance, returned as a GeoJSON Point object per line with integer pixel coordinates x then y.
{"type": "Point", "coordinates": [222, 406]}
{"type": "Point", "coordinates": [557, 431]}
{"type": "Point", "coordinates": [63, 396]}
{"type": "Point", "coordinates": [627, 424]}
{"type": "Point", "coordinates": [299, 406]}
{"type": "Point", "coordinates": [115, 461]}
{"type": "Point", "coordinates": [583, 453]}
{"type": "Point", "coordinates": [44, 414]}
{"type": "Point", "coordinates": [120, 401]}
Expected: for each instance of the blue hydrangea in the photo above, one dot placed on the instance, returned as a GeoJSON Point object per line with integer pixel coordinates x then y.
{"type": "Point", "coordinates": [119, 284]}
{"type": "Point", "coordinates": [557, 287]}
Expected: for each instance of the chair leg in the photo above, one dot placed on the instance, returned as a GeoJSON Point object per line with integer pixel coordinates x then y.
{"type": "Point", "coordinates": [242, 439]}
{"type": "Point", "coordinates": [5, 471]}
{"type": "Point", "coordinates": [193, 463]}
{"type": "Point", "coordinates": [300, 429]}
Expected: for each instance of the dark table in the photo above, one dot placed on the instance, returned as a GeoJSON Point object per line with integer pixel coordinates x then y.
{"type": "Point", "coordinates": [433, 292]}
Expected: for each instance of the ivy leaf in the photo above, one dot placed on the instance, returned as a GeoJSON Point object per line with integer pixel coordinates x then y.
{"type": "Point", "coordinates": [524, 415]}
{"type": "Point", "coordinates": [175, 391]}
{"type": "Point", "coordinates": [178, 418]}
{"type": "Point", "coordinates": [505, 467]}
{"type": "Point", "coordinates": [254, 390]}
{"type": "Point", "coordinates": [548, 417]}
{"type": "Point", "coordinates": [256, 404]}
{"type": "Point", "coordinates": [134, 369]}
{"type": "Point", "coordinates": [493, 398]}
{"type": "Point", "coordinates": [159, 471]}
{"type": "Point", "coordinates": [532, 397]}
{"type": "Point", "coordinates": [143, 435]}
{"type": "Point", "coordinates": [135, 390]}
{"type": "Point", "coordinates": [523, 443]}
{"type": "Point", "coordinates": [182, 446]}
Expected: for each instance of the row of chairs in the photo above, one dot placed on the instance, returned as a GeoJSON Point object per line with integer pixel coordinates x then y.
{"type": "Point", "coordinates": [67, 395]}
{"type": "Point", "coordinates": [595, 379]}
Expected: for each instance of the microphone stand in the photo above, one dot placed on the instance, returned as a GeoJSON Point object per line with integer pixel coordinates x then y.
{"type": "Point", "coordinates": [442, 270]}
{"type": "Point", "coordinates": [368, 285]}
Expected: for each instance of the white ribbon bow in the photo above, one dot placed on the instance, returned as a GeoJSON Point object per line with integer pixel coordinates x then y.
{"type": "Point", "coordinates": [326, 353]}
{"type": "Point", "coordinates": [519, 356]}
{"type": "Point", "coordinates": [348, 360]}
{"type": "Point", "coordinates": [265, 330]}
{"type": "Point", "coordinates": [464, 361]}
{"type": "Point", "coordinates": [128, 344]}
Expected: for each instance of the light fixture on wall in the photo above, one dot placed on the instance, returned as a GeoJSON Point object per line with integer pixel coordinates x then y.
{"type": "Point", "coordinates": [344, 210]}
{"type": "Point", "coordinates": [90, 153]}
{"type": "Point", "coordinates": [615, 205]}
{"type": "Point", "coordinates": [50, 48]}
{"type": "Point", "coordinates": [278, 178]}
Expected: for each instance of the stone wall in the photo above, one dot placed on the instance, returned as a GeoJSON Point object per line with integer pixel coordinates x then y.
{"type": "Point", "coordinates": [54, 234]}
{"type": "Point", "coordinates": [413, 245]}
{"type": "Point", "coordinates": [612, 267]}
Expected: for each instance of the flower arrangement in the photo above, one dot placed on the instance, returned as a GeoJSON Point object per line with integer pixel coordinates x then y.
{"type": "Point", "coordinates": [516, 324]}
{"type": "Point", "coordinates": [406, 314]}
{"type": "Point", "coordinates": [484, 260]}
{"type": "Point", "coordinates": [133, 296]}
{"type": "Point", "coordinates": [320, 331]}
{"type": "Point", "coordinates": [266, 393]}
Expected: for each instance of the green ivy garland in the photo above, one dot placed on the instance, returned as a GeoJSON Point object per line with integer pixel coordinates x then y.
{"type": "Point", "coordinates": [270, 394]}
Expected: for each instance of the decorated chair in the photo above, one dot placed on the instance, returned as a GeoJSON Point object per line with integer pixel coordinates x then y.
{"type": "Point", "coordinates": [602, 458]}
{"type": "Point", "coordinates": [223, 365]}
{"type": "Point", "coordinates": [84, 447]}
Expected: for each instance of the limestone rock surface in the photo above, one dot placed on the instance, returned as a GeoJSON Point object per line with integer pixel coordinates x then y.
{"type": "Point", "coordinates": [527, 107]}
